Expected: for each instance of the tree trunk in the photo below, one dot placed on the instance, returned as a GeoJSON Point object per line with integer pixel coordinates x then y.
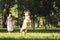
{"type": "Point", "coordinates": [6, 7]}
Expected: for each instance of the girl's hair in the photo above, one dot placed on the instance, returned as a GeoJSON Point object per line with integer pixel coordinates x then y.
{"type": "Point", "coordinates": [10, 13]}
{"type": "Point", "coordinates": [26, 11]}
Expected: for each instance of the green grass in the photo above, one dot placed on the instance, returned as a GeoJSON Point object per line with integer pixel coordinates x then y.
{"type": "Point", "coordinates": [37, 34]}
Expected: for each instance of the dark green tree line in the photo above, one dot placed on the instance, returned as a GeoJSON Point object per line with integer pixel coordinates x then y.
{"type": "Point", "coordinates": [47, 8]}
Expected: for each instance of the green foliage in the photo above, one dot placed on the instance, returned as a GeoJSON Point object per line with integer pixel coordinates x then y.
{"type": "Point", "coordinates": [14, 10]}
{"type": "Point", "coordinates": [49, 9]}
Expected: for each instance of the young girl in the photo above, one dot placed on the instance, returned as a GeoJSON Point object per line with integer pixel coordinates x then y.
{"type": "Point", "coordinates": [9, 22]}
{"type": "Point", "coordinates": [26, 22]}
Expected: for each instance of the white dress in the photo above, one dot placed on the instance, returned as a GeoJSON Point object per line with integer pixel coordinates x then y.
{"type": "Point", "coordinates": [9, 25]}
{"type": "Point", "coordinates": [26, 20]}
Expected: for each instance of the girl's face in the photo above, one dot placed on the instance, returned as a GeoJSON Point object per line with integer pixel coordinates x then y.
{"type": "Point", "coordinates": [10, 15]}
{"type": "Point", "coordinates": [26, 13]}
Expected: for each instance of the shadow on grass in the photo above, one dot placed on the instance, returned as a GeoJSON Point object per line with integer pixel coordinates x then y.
{"type": "Point", "coordinates": [29, 39]}
{"type": "Point", "coordinates": [5, 30]}
{"type": "Point", "coordinates": [44, 31]}
{"type": "Point", "coordinates": [34, 31]}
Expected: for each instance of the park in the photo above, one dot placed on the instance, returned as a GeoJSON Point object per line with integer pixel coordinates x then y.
{"type": "Point", "coordinates": [44, 16]}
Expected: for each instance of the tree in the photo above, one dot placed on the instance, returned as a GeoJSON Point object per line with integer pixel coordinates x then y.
{"type": "Point", "coordinates": [6, 6]}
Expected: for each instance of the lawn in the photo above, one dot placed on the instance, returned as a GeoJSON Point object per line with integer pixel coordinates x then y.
{"type": "Point", "coordinates": [37, 34]}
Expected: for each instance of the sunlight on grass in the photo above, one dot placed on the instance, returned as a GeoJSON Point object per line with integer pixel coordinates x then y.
{"type": "Point", "coordinates": [30, 35]}
{"type": "Point", "coordinates": [37, 34]}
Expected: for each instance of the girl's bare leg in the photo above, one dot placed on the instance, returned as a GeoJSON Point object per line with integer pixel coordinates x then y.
{"type": "Point", "coordinates": [23, 32]}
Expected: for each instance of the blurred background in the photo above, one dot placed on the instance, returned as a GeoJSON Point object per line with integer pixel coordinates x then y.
{"type": "Point", "coordinates": [44, 13]}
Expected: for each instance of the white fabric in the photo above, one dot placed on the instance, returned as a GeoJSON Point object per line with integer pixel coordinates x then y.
{"type": "Point", "coordinates": [9, 26]}
{"type": "Point", "coordinates": [26, 20]}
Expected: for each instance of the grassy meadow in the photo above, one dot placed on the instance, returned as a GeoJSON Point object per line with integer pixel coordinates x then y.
{"type": "Point", "coordinates": [37, 34]}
